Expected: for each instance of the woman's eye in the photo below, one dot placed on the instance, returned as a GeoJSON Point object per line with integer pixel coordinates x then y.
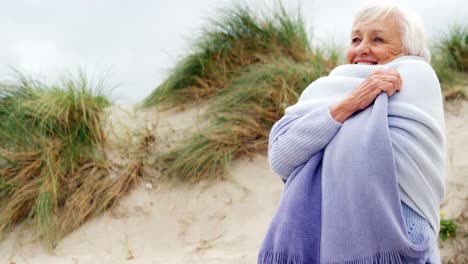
{"type": "Point", "coordinates": [378, 39]}
{"type": "Point", "coordinates": [354, 40]}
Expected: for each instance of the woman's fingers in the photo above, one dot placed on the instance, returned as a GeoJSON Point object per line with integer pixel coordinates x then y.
{"type": "Point", "coordinates": [400, 84]}
{"type": "Point", "coordinates": [391, 76]}
{"type": "Point", "coordinates": [394, 83]}
{"type": "Point", "coordinates": [387, 87]}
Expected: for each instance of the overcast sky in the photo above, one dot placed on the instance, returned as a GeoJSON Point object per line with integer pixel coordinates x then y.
{"type": "Point", "coordinates": [133, 44]}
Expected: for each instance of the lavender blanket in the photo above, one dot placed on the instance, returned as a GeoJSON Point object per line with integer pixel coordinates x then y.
{"type": "Point", "coordinates": [343, 205]}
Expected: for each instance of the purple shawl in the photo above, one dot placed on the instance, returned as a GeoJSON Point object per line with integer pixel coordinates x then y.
{"type": "Point", "coordinates": [343, 205]}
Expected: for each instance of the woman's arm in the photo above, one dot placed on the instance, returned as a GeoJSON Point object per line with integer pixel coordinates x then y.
{"type": "Point", "coordinates": [294, 139]}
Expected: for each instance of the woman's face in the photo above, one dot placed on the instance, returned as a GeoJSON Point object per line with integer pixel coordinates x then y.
{"type": "Point", "coordinates": [375, 42]}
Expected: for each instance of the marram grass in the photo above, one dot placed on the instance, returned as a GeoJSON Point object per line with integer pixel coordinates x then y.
{"type": "Point", "coordinates": [238, 38]}
{"type": "Point", "coordinates": [450, 61]}
{"type": "Point", "coordinates": [52, 168]}
{"type": "Point", "coordinates": [247, 68]}
{"type": "Point", "coordinates": [453, 47]}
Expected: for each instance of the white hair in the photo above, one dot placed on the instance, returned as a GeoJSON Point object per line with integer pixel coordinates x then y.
{"type": "Point", "coordinates": [413, 35]}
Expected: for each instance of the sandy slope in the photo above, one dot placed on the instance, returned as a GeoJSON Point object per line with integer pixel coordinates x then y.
{"type": "Point", "coordinates": [455, 203]}
{"type": "Point", "coordinates": [218, 222]}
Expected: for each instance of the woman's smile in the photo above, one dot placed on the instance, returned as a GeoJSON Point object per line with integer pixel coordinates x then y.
{"type": "Point", "coordinates": [365, 62]}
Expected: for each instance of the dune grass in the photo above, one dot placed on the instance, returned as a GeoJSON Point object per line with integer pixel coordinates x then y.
{"type": "Point", "coordinates": [253, 67]}
{"type": "Point", "coordinates": [450, 61]}
{"type": "Point", "coordinates": [454, 48]}
{"type": "Point", "coordinates": [238, 38]}
{"type": "Point", "coordinates": [52, 169]}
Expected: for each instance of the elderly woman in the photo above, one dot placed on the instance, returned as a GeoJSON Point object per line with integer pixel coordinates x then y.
{"type": "Point", "coordinates": [362, 153]}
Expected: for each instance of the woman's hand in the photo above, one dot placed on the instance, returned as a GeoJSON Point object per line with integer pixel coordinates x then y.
{"type": "Point", "coordinates": [388, 81]}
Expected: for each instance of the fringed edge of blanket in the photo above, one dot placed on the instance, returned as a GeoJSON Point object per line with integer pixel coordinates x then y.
{"type": "Point", "coordinates": [268, 257]}
{"type": "Point", "coordinates": [394, 257]}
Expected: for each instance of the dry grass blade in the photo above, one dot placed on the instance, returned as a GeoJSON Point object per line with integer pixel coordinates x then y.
{"type": "Point", "coordinates": [95, 192]}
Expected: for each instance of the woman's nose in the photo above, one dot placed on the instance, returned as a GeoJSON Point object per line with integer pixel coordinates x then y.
{"type": "Point", "coordinates": [362, 48]}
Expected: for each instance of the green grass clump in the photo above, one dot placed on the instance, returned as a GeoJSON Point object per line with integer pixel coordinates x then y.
{"type": "Point", "coordinates": [52, 168]}
{"type": "Point", "coordinates": [448, 228]}
{"type": "Point", "coordinates": [454, 48]}
{"type": "Point", "coordinates": [450, 61]}
{"type": "Point", "coordinates": [238, 38]}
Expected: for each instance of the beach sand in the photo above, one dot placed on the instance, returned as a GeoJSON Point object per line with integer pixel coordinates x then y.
{"type": "Point", "coordinates": [209, 222]}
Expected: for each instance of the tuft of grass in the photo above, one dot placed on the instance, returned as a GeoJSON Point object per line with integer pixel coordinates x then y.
{"type": "Point", "coordinates": [52, 168]}
{"type": "Point", "coordinates": [454, 48]}
{"type": "Point", "coordinates": [236, 39]}
{"type": "Point", "coordinates": [32, 112]}
{"type": "Point", "coordinates": [450, 61]}
{"type": "Point", "coordinates": [241, 118]}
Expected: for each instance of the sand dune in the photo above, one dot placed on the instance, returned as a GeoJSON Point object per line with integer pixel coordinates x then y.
{"type": "Point", "coordinates": [211, 222]}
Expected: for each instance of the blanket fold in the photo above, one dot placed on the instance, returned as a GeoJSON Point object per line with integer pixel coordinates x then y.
{"type": "Point", "coordinates": [343, 205]}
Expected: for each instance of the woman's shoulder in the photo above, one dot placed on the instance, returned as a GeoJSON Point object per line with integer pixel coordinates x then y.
{"type": "Point", "coordinates": [413, 65]}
